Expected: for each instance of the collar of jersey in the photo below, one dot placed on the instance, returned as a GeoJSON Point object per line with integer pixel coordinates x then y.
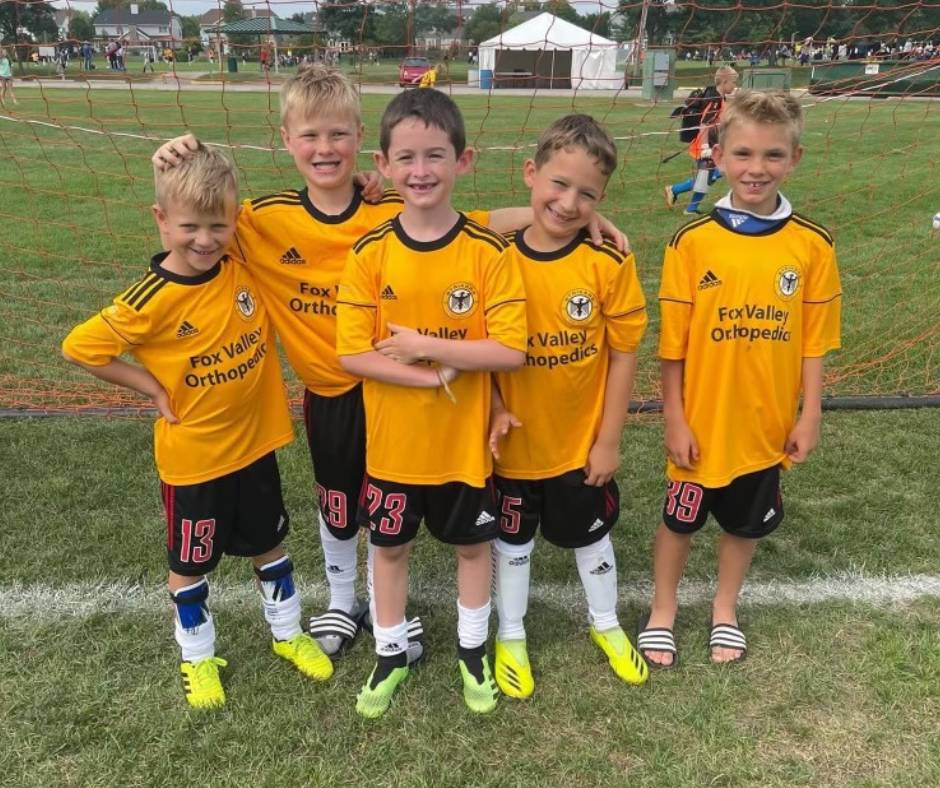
{"type": "Point", "coordinates": [336, 218]}
{"type": "Point", "coordinates": [428, 246]}
{"type": "Point", "coordinates": [157, 268]}
{"type": "Point", "coordinates": [547, 257]}
{"type": "Point", "coordinates": [730, 217]}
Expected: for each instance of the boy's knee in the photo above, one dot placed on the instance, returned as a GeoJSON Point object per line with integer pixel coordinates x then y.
{"type": "Point", "coordinates": [392, 554]}
{"type": "Point", "coordinates": [473, 552]}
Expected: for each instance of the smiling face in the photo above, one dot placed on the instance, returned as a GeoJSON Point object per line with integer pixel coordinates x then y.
{"type": "Point", "coordinates": [196, 239]}
{"type": "Point", "coordinates": [324, 148]}
{"type": "Point", "coordinates": [566, 190]}
{"type": "Point", "coordinates": [756, 158]}
{"type": "Point", "coordinates": [422, 164]}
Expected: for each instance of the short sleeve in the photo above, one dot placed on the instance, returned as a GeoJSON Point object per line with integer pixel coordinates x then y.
{"type": "Point", "coordinates": [480, 217]}
{"type": "Point", "coordinates": [504, 303]}
{"type": "Point", "coordinates": [624, 307]}
{"type": "Point", "coordinates": [822, 305]}
{"type": "Point", "coordinates": [356, 309]}
{"type": "Point", "coordinates": [675, 305]}
{"type": "Point", "coordinates": [102, 338]}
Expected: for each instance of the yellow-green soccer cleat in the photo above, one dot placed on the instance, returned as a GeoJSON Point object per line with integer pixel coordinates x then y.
{"type": "Point", "coordinates": [202, 684]}
{"type": "Point", "coordinates": [376, 695]}
{"type": "Point", "coordinates": [479, 688]}
{"type": "Point", "coordinates": [512, 668]}
{"type": "Point", "coordinates": [303, 652]}
{"type": "Point", "coordinates": [626, 661]}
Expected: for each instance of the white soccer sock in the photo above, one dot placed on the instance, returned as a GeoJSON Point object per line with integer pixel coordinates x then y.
{"type": "Point", "coordinates": [598, 569]}
{"type": "Point", "coordinates": [279, 597]}
{"type": "Point", "coordinates": [370, 576]}
{"type": "Point", "coordinates": [390, 641]}
{"type": "Point", "coordinates": [339, 557]}
{"type": "Point", "coordinates": [472, 625]}
{"type": "Point", "coordinates": [511, 569]}
{"type": "Point", "coordinates": [194, 627]}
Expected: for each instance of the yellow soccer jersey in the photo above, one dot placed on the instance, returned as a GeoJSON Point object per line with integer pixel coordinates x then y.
{"type": "Point", "coordinates": [743, 311]}
{"type": "Point", "coordinates": [297, 254]}
{"type": "Point", "coordinates": [462, 286]}
{"type": "Point", "coordinates": [581, 302]}
{"type": "Point", "coordinates": [209, 343]}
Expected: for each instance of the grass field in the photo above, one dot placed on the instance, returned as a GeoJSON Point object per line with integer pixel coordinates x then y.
{"type": "Point", "coordinates": [76, 177]}
{"type": "Point", "coordinates": [842, 685]}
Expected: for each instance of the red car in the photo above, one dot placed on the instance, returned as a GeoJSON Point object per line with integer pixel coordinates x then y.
{"type": "Point", "coordinates": [411, 70]}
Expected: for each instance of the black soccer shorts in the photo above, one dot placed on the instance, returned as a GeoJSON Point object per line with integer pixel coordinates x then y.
{"type": "Point", "coordinates": [336, 437]}
{"type": "Point", "coordinates": [751, 506]}
{"type": "Point", "coordinates": [454, 512]}
{"type": "Point", "coordinates": [572, 514]}
{"type": "Point", "coordinates": [241, 513]}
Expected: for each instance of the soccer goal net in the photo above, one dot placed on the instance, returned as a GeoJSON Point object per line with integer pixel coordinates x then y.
{"type": "Point", "coordinates": [75, 147]}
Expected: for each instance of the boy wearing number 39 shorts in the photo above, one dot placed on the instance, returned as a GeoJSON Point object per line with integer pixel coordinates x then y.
{"type": "Point", "coordinates": [206, 358]}
{"type": "Point", "coordinates": [750, 304]}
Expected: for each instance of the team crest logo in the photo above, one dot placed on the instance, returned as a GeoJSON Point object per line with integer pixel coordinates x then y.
{"type": "Point", "coordinates": [245, 303]}
{"type": "Point", "coordinates": [460, 300]}
{"type": "Point", "coordinates": [578, 306]}
{"type": "Point", "coordinates": [787, 282]}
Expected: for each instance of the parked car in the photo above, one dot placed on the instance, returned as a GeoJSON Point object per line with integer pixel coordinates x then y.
{"type": "Point", "coordinates": [411, 70]}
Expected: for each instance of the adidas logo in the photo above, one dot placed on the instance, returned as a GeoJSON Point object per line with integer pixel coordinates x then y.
{"type": "Point", "coordinates": [391, 649]}
{"type": "Point", "coordinates": [280, 524]}
{"type": "Point", "coordinates": [519, 561]}
{"type": "Point", "coordinates": [603, 569]}
{"type": "Point", "coordinates": [770, 514]}
{"type": "Point", "coordinates": [484, 519]}
{"type": "Point", "coordinates": [292, 257]}
{"type": "Point", "coordinates": [333, 569]}
{"type": "Point", "coordinates": [595, 525]}
{"type": "Point", "coordinates": [709, 280]}
{"type": "Point", "coordinates": [186, 329]}
{"type": "Point", "coordinates": [389, 295]}
{"type": "Point", "coordinates": [737, 220]}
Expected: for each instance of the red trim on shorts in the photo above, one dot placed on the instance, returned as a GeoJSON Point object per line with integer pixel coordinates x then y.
{"type": "Point", "coordinates": [169, 499]}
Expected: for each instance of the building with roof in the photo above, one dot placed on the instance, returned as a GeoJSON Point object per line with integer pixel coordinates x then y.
{"type": "Point", "coordinates": [134, 26]}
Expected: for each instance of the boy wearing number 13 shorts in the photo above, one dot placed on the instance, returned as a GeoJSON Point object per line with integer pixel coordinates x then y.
{"type": "Point", "coordinates": [750, 304]}
{"type": "Point", "coordinates": [206, 357]}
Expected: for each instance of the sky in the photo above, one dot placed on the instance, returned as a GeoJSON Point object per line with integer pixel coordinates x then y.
{"type": "Point", "coordinates": [285, 8]}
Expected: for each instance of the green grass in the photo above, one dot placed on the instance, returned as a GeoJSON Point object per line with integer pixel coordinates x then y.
{"type": "Point", "coordinates": [835, 693]}
{"type": "Point", "coordinates": [77, 225]}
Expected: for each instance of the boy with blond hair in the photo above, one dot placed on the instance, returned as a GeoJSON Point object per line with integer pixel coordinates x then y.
{"type": "Point", "coordinates": [700, 148]}
{"type": "Point", "coordinates": [206, 357]}
{"type": "Point", "coordinates": [296, 243]}
{"type": "Point", "coordinates": [425, 295]}
{"type": "Point", "coordinates": [750, 304]}
{"type": "Point", "coordinates": [555, 468]}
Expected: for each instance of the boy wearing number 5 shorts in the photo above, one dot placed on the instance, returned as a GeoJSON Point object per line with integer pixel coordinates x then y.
{"type": "Point", "coordinates": [206, 358]}
{"type": "Point", "coordinates": [750, 304]}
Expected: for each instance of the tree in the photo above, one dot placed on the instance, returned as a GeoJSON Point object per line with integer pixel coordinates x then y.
{"type": "Point", "coordinates": [596, 23]}
{"type": "Point", "coordinates": [563, 10]}
{"type": "Point", "coordinates": [190, 26]}
{"type": "Point", "coordinates": [433, 18]}
{"type": "Point", "coordinates": [391, 26]}
{"type": "Point", "coordinates": [350, 21]}
{"type": "Point", "coordinates": [232, 11]}
{"type": "Point", "coordinates": [81, 27]}
{"type": "Point", "coordinates": [34, 15]}
{"type": "Point", "coordinates": [486, 22]}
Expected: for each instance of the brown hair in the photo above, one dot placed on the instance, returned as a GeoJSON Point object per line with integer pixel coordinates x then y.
{"type": "Point", "coordinates": [771, 108]}
{"type": "Point", "coordinates": [578, 131]}
{"type": "Point", "coordinates": [436, 109]}
{"type": "Point", "coordinates": [205, 181]}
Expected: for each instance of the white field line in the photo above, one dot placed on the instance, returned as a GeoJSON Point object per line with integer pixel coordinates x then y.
{"type": "Point", "coordinates": [83, 600]}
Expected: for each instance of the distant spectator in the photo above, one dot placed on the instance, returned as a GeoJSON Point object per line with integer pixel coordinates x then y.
{"type": "Point", "coordinates": [149, 58]}
{"type": "Point", "coordinates": [6, 79]}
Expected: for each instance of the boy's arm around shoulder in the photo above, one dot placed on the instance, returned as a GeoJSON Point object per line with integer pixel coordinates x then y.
{"type": "Point", "coordinates": [505, 220]}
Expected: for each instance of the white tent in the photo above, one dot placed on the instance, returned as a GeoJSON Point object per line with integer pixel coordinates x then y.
{"type": "Point", "coordinates": [549, 52]}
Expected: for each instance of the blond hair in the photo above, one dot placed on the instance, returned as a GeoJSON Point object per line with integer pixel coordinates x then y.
{"type": "Point", "coordinates": [319, 89]}
{"type": "Point", "coordinates": [771, 108]}
{"type": "Point", "coordinates": [725, 72]}
{"type": "Point", "coordinates": [206, 181]}
{"type": "Point", "coordinates": [578, 131]}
